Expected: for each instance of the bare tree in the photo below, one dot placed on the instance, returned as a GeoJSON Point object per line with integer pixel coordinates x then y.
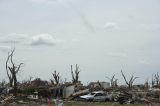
{"type": "Point", "coordinates": [130, 82]}
{"type": "Point", "coordinates": [146, 84]}
{"type": "Point", "coordinates": [75, 74]}
{"type": "Point", "coordinates": [52, 82]}
{"type": "Point", "coordinates": [9, 75]}
{"type": "Point", "coordinates": [3, 83]}
{"type": "Point", "coordinates": [155, 80]}
{"type": "Point", "coordinates": [56, 78]}
{"type": "Point", "coordinates": [12, 70]}
{"type": "Point", "coordinates": [30, 79]}
{"type": "Point", "coordinates": [113, 81]}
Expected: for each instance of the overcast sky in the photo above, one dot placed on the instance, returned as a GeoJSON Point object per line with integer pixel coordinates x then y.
{"type": "Point", "coordinates": [101, 36]}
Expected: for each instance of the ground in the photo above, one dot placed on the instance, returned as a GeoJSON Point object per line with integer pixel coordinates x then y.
{"type": "Point", "coordinates": [72, 103]}
{"type": "Point", "coordinates": [77, 103]}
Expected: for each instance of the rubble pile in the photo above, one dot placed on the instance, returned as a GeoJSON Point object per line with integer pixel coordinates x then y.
{"type": "Point", "coordinates": [121, 95]}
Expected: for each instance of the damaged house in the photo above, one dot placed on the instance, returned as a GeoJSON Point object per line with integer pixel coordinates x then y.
{"type": "Point", "coordinates": [63, 91]}
{"type": "Point", "coordinates": [103, 85]}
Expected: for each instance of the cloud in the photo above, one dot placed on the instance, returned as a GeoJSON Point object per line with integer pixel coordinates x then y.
{"type": "Point", "coordinates": [14, 38]}
{"type": "Point", "coordinates": [43, 39]}
{"type": "Point", "coordinates": [144, 62]}
{"type": "Point", "coordinates": [118, 54]}
{"type": "Point", "coordinates": [111, 25]}
{"type": "Point", "coordinates": [35, 40]}
{"type": "Point", "coordinates": [4, 48]}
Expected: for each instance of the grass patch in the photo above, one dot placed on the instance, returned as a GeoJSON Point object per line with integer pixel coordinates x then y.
{"type": "Point", "coordinates": [75, 103]}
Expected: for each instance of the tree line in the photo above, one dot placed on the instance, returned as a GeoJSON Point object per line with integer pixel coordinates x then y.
{"type": "Point", "coordinates": [12, 69]}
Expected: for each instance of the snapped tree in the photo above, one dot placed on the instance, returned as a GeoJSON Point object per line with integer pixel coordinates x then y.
{"type": "Point", "coordinates": [12, 70]}
{"type": "Point", "coordinates": [130, 82]}
{"type": "Point", "coordinates": [113, 81]}
{"type": "Point", "coordinates": [56, 78]}
{"type": "Point", "coordinates": [75, 74]}
{"type": "Point", "coordinates": [155, 80]}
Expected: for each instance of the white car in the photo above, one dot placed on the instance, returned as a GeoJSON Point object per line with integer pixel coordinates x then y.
{"type": "Point", "coordinates": [96, 96]}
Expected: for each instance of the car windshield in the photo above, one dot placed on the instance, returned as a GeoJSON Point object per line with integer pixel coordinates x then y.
{"type": "Point", "coordinates": [92, 93]}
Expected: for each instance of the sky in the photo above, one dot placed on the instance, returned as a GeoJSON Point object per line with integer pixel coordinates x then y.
{"type": "Point", "coordinates": [102, 36]}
